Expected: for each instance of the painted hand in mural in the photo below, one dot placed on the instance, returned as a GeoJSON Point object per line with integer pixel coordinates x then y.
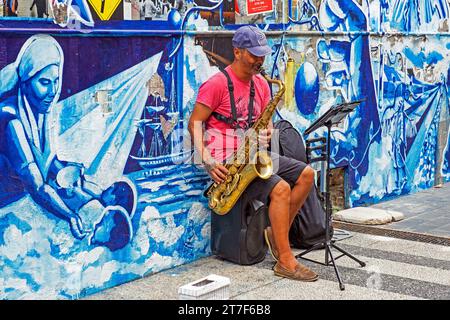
{"type": "Point", "coordinates": [76, 226]}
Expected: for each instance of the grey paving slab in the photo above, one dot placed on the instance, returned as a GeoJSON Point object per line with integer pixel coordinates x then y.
{"type": "Point", "coordinates": [389, 244]}
{"type": "Point", "coordinates": [412, 221]}
{"type": "Point", "coordinates": [164, 285]}
{"type": "Point", "coordinates": [405, 270]}
{"type": "Point", "coordinates": [445, 227]}
{"type": "Point", "coordinates": [401, 257]}
{"type": "Point", "coordinates": [420, 202]}
{"type": "Point", "coordinates": [440, 232]}
{"type": "Point", "coordinates": [434, 214]}
{"type": "Point", "coordinates": [371, 277]}
{"type": "Point", "coordinates": [421, 249]}
{"type": "Point", "coordinates": [319, 290]}
{"type": "Point", "coordinates": [424, 228]}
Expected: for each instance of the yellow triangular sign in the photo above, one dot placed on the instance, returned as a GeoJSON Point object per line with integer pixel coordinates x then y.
{"type": "Point", "coordinates": [104, 8]}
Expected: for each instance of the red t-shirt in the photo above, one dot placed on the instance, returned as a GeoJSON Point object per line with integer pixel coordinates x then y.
{"type": "Point", "coordinates": [221, 139]}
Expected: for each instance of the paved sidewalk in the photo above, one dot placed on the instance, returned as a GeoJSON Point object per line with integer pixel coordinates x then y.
{"type": "Point", "coordinates": [426, 212]}
{"type": "Point", "coordinates": [396, 269]}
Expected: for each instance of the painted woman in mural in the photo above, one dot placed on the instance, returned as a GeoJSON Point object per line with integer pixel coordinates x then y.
{"type": "Point", "coordinates": [398, 126]}
{"type": "Point", "coordinates": [29, 90]}
{"type": "Point", "coordinates": [30, 87]}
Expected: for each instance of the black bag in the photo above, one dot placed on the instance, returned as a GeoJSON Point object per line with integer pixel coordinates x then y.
{"type": "Point", "coordinates": [238, 236]}
{"type": "Point", "coordinates": [309, 226]}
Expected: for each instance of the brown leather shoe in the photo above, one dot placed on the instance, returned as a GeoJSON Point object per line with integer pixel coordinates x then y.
{"type": "Point", "coordinates": [301, 273]}
{"type": "Point", "coordinates": [270, 243]}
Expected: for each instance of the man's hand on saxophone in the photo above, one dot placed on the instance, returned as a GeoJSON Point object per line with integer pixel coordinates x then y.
{"type": "Point", "coordinates": [264, 137]}
{"type": "Point", "coordinates": [215, 169]}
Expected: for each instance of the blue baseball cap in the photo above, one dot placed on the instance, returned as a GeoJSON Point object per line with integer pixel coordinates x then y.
{"type": "Point", "coordinates": [252, 39]}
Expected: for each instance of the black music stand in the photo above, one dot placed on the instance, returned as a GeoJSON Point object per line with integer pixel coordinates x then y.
{"type": "Point", "coordinates": [328, 119]}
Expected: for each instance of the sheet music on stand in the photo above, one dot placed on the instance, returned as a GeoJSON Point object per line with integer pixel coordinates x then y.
{"type": "Point", "coordinates": [334, 115]}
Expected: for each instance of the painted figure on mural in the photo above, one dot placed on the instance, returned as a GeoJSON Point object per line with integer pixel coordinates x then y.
{"type": "Point", "coordinates": [398, 126]}
{"type": "Point", "coordinates": [415, 15]}
{"type": "Point", "coordinates": [350, 73]}
{"type": "Point", "coordinates": [446, 160]}
{"type": "Point", "coordinates": [29, 164]}
{"type": "Point", "coordinates": [180, 6]}
{"type": "Point", "coordinates": [304, 12]}
{"type": "Point", "coordinates": [30, 87]}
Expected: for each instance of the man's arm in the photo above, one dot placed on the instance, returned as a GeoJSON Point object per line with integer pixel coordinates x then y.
{"type": "Point", "coordinates": [198, 117]}
{"type": "Point", "coordinates": [21, 158]}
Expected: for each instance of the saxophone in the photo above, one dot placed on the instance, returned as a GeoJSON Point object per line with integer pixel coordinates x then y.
{"type": "Point", "coordinates": [248, 163]}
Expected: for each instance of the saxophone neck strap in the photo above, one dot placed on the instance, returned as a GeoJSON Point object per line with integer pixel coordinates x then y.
{"type": "Point", "coordinates": [233, 121]}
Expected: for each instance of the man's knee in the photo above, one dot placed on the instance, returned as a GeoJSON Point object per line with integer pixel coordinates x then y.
{"type": "Point", "coordinates": [281, 191]}
{"type": "Point", "coordinates": [307, 176]}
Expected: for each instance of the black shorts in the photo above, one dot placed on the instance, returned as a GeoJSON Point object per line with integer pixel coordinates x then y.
{"type": "Point", "coordinates": [284, 168]}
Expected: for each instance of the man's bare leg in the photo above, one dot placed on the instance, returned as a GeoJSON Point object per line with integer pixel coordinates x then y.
{"type": "Point", "coordinates": [298, 195]}
{"type": "Point", "coordinates": [279, 220]}
{"type": "Point", "coordinates": [300, 192]}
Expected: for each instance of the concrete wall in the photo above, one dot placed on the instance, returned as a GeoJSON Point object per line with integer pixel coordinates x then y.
{"type": "Point", "coordinates": [95, 184]}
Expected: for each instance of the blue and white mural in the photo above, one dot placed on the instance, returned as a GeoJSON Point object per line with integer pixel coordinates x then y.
{"type": "Point", "coordinates": [416, 15]}
{"type": "Point", "coordinates": [96, 186]}
{"type": "Point", "coordinates": [79, 210]}
{"type": "Point", "coordinates": [389, 145]}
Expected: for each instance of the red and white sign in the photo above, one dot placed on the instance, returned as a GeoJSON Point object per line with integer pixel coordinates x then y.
{"type": "Point", "coordinates": [255, 7]}
{"type": "Point", "coordinates": [259, 6]}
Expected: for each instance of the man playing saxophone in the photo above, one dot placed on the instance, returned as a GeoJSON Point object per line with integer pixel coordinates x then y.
{"type": "Point", "coordinates": [227, 104]}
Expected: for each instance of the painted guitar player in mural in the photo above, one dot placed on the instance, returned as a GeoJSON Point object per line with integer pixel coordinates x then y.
{"type": "Point", "coordinates": [29, 162]}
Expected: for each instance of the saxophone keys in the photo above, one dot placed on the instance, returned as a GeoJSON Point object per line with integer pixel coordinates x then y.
{"type": "Point", "coordinates": [235, 181]}
{"type": "Point", "coordinates": [212, 203]}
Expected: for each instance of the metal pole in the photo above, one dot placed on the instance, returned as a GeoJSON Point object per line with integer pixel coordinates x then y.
{"type": "Point", "coordinates": [327, 196]}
